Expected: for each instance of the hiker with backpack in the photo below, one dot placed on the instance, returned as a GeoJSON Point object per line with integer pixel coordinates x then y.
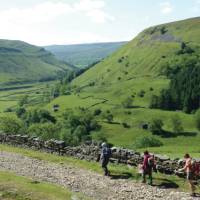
{"type": "Point", "coordinates": [192, 169]}
{"type": "Point", "coordinates": [105, 157]}
{"type": "Point", "coordinates": [148, 166]}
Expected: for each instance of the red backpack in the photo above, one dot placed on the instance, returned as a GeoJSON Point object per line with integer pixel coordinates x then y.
{"type": "Point", "coordinates": [195, 168]}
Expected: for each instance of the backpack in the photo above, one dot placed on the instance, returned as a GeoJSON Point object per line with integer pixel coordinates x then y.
{"type": "Point", "coordinates": [106, 153]}
{"type": "Point", "coordinates": [150, 162]}
{"type": "Point", "coordinates": [195, 168]}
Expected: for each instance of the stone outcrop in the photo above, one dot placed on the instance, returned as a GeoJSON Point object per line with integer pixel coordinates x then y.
{"type": "Point", "coordinates": [90, 151]}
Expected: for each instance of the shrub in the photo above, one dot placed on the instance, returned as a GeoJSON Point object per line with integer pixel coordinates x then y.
{"type": "Point", "coordinates": [147, 141]}
{"type": "Point", "coordinates": [20, 111]}
{"type": "Point", "coordinates": [156, 126]}
{"type": "Point", "coordinates": [151, 89]}
{"type": "Point", "coordinates": [120, 60]}
{"type": "Point", "coordinates": [177, 124]}
{"type": "Point", "coordinates": [11, 125]}
{"type": "Point", "coordinates": [38, 116]}
{"type": "Point", "coordinates": [141, 93]}
{"type": "Point", "coordinates": [125, 125]}
{"type": "Point", "coordinates": [128, 102]}
{"type": "Point", "coordinates": [97, 112]}
{"type": "Point", "coordinates": [45, 131]}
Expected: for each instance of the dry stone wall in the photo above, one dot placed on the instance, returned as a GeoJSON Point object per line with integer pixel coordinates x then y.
{"type": "Point", "coordinates": [90, 151]}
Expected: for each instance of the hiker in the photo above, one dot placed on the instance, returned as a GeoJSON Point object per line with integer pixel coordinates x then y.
{"type": "Point", "coordinates": [105, 157]}
{"type": "Point", "coordinates": [148, 166]}
{"type": "Point", "coordinates": [190, 168]}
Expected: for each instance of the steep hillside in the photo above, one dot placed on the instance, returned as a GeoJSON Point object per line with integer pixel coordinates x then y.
{"type": "Point", "coordinates": [147, 54]}
{"type": "Point", "coordinates": [123, 84]}
{"type": "Point", "coordinates": [21, 62]}
{"type": "Point", "coordinates": [82, 55]}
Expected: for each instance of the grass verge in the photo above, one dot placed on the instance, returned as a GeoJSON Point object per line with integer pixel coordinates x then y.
{"type": "Point", "coordinates": [14, 187]}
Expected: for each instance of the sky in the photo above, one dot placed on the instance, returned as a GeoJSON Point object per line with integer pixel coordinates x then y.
{"type": "Point", "coordinates": [46, 22]}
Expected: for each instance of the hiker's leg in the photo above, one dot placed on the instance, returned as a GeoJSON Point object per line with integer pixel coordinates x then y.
{"type": "Point", "coordinates": [144, 177]}
{"type": "Point", "coordinates": [104, 166]}
{"type": "Point", "coordinates": [150, 177]}
{"type": "Point", "coordinates": [192, 186]}
{"type": "Point", "coordinates": [107, 171]}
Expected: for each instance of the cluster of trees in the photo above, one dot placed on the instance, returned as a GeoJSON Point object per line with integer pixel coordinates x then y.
{"type": "Point", "coordinates": [176, 124]}
{"type": "Point", "coordinates": [147, 141]}
{"type": "Point", "coordinates": [73, 128]}
{"type": "Point", "coordinates": [184, 91]}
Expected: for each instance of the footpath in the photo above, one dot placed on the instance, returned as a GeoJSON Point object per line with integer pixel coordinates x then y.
{"type": "Point", "coordinates": [91, 184]}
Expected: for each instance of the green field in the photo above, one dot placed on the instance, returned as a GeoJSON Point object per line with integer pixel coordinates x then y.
{"type": "Point", "coordinates": [11, 95]}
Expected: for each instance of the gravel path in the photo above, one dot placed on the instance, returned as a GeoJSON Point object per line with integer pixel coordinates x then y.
{"type": "Point", "coordinates": [89, 183]}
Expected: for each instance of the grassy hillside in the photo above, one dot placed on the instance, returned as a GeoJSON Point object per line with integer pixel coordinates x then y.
{"type": "Point", "coordinates": [147, 54]}
{"type": "Point", "coordinates": [22, 62]}
{"type": "Point", "coordinates": [136, 71]}
{"type": "Point", "coordinates": [82, 55]}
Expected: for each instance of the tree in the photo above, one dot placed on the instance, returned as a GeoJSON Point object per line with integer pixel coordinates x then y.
{"type": "Point", "coordinates": [183, 92]}
{"type": "Point", "coordinates": [177, 124]}
{"type": "Point", "coordinates": [197, 119]}
{"type": "Point", "coordinates": [11, 125]}
{"type": "Point", "coordinates": [23, 100]}
{"type": "Point", "coordinates": [38, 116]}
{"type": "Point", "coordinates": [156, 126]}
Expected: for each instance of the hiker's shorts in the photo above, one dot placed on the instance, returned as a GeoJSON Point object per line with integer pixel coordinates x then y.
{"type": "Point", "coordinates": [190, 176]}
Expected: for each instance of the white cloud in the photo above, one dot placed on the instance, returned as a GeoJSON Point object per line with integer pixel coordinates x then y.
{"type": "Point", "coordinates": [38, 14]}
{"type": "Point", "coordinates": [54, 22]}
{"type": "Point", "coordinates": [47, 11]}
{"type": "Point", "coordinates": [94, 9]}
{"type": "Point", "coordinates": [166, 8]}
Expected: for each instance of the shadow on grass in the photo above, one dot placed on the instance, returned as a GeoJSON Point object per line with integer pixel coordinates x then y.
{"type": "Point", "coordinates": [124, 175]}
{"type": "Point", "coordinates": [168, 134]}
{"type": "Point", "coordinates": [166, 184]}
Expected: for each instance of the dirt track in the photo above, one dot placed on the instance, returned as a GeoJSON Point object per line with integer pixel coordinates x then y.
{"type": "Point", "coordinates": [89, 183]}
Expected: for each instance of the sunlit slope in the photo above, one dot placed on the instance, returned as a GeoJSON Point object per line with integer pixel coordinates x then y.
{"type": "Point", "coordinates": [145, 55]}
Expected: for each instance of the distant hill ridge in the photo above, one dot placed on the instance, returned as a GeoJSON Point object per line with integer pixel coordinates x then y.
{"type": "Point", "coordinates": [22, 62]}
{"type": "Point", "coordinates": [83, 55]}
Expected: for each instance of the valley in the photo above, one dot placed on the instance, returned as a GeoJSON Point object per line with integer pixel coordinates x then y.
{"type": "Point", "coordinates": [141, 95]}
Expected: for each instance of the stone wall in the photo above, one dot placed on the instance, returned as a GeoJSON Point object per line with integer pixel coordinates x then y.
{"type": "Point", "coordinates": [90, 151]}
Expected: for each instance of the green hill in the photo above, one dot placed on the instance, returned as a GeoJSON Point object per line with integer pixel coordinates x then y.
{"type": "Point", "coordinates": [82, 55]}
{"type": "Point", "coordinates": [135, 73]}
{"type": "Point", "coordinates": [147, 54]}
{"type": "Point", "coordinates": [22, 62]}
